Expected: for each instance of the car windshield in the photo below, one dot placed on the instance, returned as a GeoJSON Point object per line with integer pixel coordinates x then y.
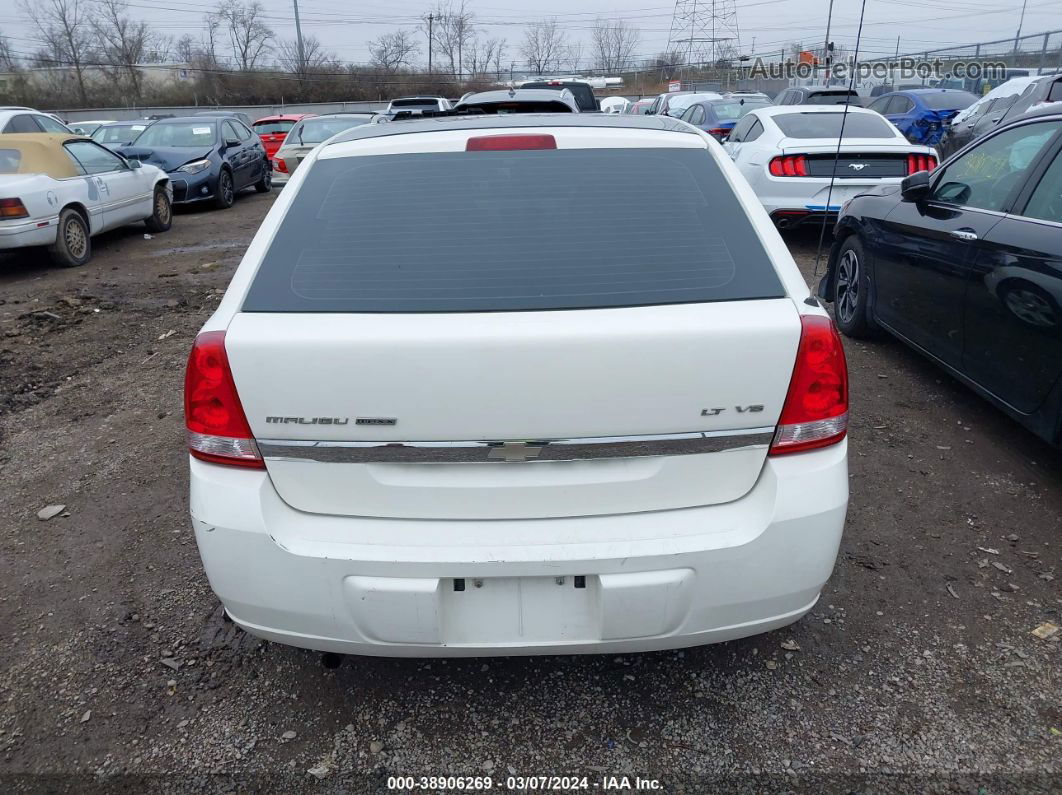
{"type": "Point", "coordinates": [345, 243]}
{"type": "Point", "coordinates": [179, 134]}
{"type": "Point", "coordinates": [118, 133]}
{"type": "Point", "coordinates": [828, 125]}
{"type": "Point", "coordinates": [313, 131]}
{"type": "Point", "coordinates": [949, 100]}
{"type": "Point", "coordinates": [269, 127]}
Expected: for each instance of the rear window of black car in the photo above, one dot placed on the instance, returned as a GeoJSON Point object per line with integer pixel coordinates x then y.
{"type": "Point", "coordinates": [828, 125]}
{"type": "Point", "coordinates": [581, 92]}
{"type": "Point", "coordinates": [831, 98]}
{"type": "Point", "coordinates": [512, 230]}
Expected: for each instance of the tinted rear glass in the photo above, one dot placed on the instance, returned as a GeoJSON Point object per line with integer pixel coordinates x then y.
{"type": "Point", "coordinates": [269, 127]}
{"type": "Point", "coordinates": [831, 98]}
{"type": "Point", "coordinates": [828, 125]}
{"type": "Point", "coordinates": [582, 93]}
{"type": "Point", "coordinates": [950, 100]}
{"type": "Point", "coordinates": [505, 231]}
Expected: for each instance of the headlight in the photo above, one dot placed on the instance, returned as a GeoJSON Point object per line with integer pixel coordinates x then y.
{"type": "Point", "coordinates": [195, 166]}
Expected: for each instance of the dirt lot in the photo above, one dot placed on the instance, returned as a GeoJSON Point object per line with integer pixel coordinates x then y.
{"type": "Point", "coordinates": [918, 669]}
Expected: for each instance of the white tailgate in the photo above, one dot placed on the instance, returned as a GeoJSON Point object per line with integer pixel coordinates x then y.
{"type": "Point", "coordinates": [507, 376]}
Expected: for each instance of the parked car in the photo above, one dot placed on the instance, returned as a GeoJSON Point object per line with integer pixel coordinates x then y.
{"type": "Point", "coordinates": [308, 133]}
{"type": "Point", "coordinates": [982, 116]}
{"type": "Point", "coordinates": [789, 154]}
{"type": "Point", "coordinates": [582, 92]}
{"type": "Point", "coordinates": [26, 120]}
{"type": "Point", "coordinates": [965, 266]}
{"type": "Point", "coordinates": [676, 105]}
{"type": "Point", "coordinates": [209, 158]}
{"type": "Point", "coordinates": [615, 105]}
{"type": "Point", "coordinates": [88, 127]}
{"type": "Point", "coordinates": [818, 95]}
{"type": "Point", "coordinates": [229, 114]}
{"type": "Point", "coordinates": [659, 459]}
{"type": "Point", "coordinates": [747, 95]}
{"type": "Point", "coordinates": [922, 114]}
{"type": "Point", "coordinates": [119, 133]}
{"type": "Point", "coordinates": [717, 117]}
{"type": "Point", "coordinates": [417, 105]}
{"type": "Point", "coordinates": [640, 107]}
{"type": "Point", "coordinates": [519, 100]}
{"type": "Point", "coordinates": [273, 129]}
{"type": "Point", "coordinates": [1037, 92]}
{"type": "Point", "coordinates": [60, 190]}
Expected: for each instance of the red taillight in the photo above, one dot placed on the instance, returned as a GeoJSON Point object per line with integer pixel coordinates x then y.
{"type": "Point", "coordinates": [217, 427]}
{"type": "Point", "coordinates": [281, 166]}
{"type": "Point", "coordinates": [508, 143]}
{"type": "Point", "coordinates": [916, 163]}
{"type": "Point", "coordinates": [13, 208]}
{"type": "Point", "coordinates": [719, 132]}
{"type": "Point", "coordinates": [789, 166]}
{"type": "Point", "coordinates": [815, 413]}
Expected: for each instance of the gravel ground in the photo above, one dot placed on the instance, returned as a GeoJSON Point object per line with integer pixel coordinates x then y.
{"type": "Point", "coordinates": [917, 671]}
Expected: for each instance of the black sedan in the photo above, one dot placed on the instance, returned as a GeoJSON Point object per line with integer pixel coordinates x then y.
{"type": "Point", "coordinates": [964, 264]}
{"type": "Point", "coordinates": [208, 158]}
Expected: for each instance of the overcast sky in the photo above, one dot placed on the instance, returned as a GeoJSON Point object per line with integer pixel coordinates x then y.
{"type": "Point", "coordinates": [768, 25]}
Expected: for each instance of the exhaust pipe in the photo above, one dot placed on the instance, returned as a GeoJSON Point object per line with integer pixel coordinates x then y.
{"type": "Point", "coordinates": [782, 223]}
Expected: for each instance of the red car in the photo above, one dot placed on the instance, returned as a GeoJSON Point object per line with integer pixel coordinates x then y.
{"type": "Point", "coordinates": [274, 129]}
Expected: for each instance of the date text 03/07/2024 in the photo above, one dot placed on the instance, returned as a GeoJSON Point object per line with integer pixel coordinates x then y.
{"type": "Point", "coordinates": [605, 783]}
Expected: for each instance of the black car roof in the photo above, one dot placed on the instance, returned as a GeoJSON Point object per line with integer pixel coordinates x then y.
{"type": "Point", "coordinates": [447, 123]}
{"type": "Point", "coordinates": [1047, 111]}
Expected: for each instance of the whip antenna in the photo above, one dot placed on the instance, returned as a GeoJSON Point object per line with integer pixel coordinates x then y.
{"type": "Point", "coordinates": [840, 136]}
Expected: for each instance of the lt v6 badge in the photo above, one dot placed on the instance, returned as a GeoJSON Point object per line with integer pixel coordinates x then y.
{"type": "Point", "coordinates": [750, 409]}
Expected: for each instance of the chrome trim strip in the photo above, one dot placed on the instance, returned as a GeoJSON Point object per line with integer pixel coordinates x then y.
{"type": "Point", "coordinates": [521, 451]}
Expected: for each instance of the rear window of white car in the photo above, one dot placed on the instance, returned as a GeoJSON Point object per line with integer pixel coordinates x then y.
{"type": "Point", "coordinates": [828, 125]}
{"type": "Point", "coordinates": [512, 230]}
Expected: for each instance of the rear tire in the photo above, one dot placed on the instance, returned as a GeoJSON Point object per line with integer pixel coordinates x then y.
{"type": "Point", "coordinates": [73, 246]}
{"type": "Point", "coordinates": [161, 218]}
{"type": "Point", "coordinates": [265, 184]}
{"type": "Point", "coordinates": [225, 196]}
{"type": "Point", "coordinates": [851, 291]}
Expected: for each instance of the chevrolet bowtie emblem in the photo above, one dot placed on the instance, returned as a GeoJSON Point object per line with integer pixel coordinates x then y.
{"type": "Point", "coordinates": [514, 451]}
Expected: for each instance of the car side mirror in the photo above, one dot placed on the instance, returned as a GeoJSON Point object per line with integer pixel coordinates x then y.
{"type": "Point", "coordinates": [232, 142]}
{"type": "Point", "coordinates": [915, 187]}
{"type": "Point", "coordinates": [134, 164]}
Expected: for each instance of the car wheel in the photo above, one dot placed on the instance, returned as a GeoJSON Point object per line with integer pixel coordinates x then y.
{"type": "Point", "coordinates": [851, 288]}
{"type": "Point", "coordinates": [161, 218]}
{"type": "Point", "coordinates": [225, 196]}
{"type": "Point", "coordinates": [265, 184]}
{"type": "Point", "coordinates": [1029, 304]}
{"type": "Point", "coordinates": [73, 245]}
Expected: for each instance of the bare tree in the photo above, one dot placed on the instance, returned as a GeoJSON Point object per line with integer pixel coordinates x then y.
{"type": "Point", "coordinates": [453, 31]}
{"type": "Point", "coordinates": [8, 62]}
{"type": "Point", "coordinates": [573, 56]}
{"type": "Point", "coordinates": [613, 45]}
{"type": "Point", "coordinates": [669, 62]}
{"type": "Point", "coordinates": [249, 35]}
{"type": "Point", "coordinates": [543, 45]}
{"type": "Point", "coordinates": [315, 58]}
{"type": "Point", "coordinates": [485, 54]}
{"type": "Point", "coordinates": [394, 50]}
{"type": "Point", "coordinates": [123, 44]}
{"type": "Point", "coordinates": [62, 31]}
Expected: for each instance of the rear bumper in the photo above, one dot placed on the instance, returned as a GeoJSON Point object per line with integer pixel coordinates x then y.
{"type": "Point", "coordinates": [629, 582]}
{"type": "Point", "coordinates": [27, 233]}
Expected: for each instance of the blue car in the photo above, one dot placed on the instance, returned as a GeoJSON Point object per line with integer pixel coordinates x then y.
{"type": "Point", "coordinates": [208, 158]}
{"type": "Point", "coordinates": [717, 117]}
{"type": "Point", "coordinates": [921, 114]}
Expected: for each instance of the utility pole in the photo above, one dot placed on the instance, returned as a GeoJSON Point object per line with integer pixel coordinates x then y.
{"type": "Point", "coordinates": [1021, 21]}
{"type": "Point", "coordinates": [431, 38]}
{"type": "Point", "coordinates": [826, 46]}
{"type": "Point", "coordinates": [298, 35]}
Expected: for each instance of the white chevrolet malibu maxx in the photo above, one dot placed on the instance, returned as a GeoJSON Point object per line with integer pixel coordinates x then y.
{"type": "Point", "coordinates": [517, 385]}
